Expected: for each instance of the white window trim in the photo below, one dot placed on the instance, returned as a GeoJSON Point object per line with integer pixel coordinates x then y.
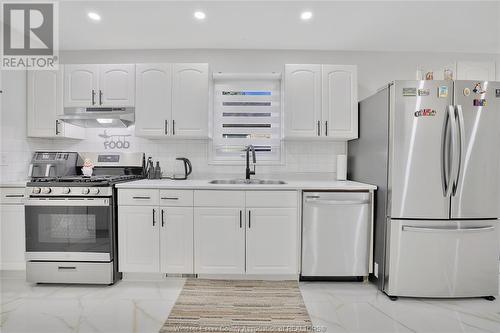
{"type": "Point", "coordinates": [239, 76]}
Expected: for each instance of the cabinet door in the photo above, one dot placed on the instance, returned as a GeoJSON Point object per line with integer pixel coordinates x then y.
{"type": "Point", "coordinates": [117, 85]}
{"type": "Point", "coordinates": [340, 102]}
{"type": "Point", "coordinates": [81, 85]}
{"type": "Point", "coordinates": [302, 100]}
{"type": "Point", "coordinates": [190, 100]}
{"type": "Point", "coordinates": [45, 104]}
{"type": "Point", "coordinates": [272, 241]}
{"type": "Point", "coordinates": [138, 239]}
{"type": "Point", "coordinates": [12, 237]}
{"type": "Point", "coordinates": [219, 241]}
{"type": "Point", "coordinates": [476, 70]}
{"type": "Point", "coordinates": [153, 105]}
{"type": "Point", "coordinates": [176, 240]}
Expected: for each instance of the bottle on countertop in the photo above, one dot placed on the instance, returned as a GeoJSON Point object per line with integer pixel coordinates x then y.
{"type": "Point", "coordinates": [157, 171]}
{"type": "Point", "coordinates": [150, 172]}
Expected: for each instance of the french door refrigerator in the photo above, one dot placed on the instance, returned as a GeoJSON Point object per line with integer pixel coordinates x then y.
{"type": "Point", "coordinates": [433, 150]}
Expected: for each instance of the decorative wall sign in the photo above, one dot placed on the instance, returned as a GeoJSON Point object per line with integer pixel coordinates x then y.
{"type": "Point", "coordinates": [115, 141]}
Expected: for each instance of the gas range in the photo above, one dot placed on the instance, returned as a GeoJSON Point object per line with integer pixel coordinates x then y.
{"type": "Point", "coordinates": [77, 185]}
{"type": "Point", "coordinates": [71, 219]}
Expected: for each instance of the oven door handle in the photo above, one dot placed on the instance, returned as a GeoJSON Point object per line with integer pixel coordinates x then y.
{"type": "Point", "coordinates": [97, 202]}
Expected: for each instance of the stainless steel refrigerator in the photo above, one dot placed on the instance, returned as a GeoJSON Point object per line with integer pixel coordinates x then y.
{"type": "Point", "coordinates": [433, 149]}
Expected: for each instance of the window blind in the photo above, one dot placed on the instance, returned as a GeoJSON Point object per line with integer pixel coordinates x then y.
{"type": "Point", "coordinates": [247, 112]}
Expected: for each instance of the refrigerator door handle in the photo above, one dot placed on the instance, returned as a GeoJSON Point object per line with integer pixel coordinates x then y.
{"type": "Point", "coordinates": [461, 139]}
{"type": "Point", "coordinates": [449, 230]}
{"type": "Point", "coordinates": [453, 157]}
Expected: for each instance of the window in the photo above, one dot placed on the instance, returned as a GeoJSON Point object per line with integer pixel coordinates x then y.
{"type": "Point", "coordinates": [247, 111]}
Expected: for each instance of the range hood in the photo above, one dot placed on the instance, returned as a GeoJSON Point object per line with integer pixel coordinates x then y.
{"type": "Point", "coordinates": [106, 117]}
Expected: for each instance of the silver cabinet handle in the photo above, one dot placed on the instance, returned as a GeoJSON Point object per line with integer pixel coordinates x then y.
{"type": "Point", "coordinates": [326, 127]}
{"type": "Point", "coordinates": [141, 198]}
{"type": "Point", "coordinates": [154, 220]}
{"type": "Point", "coordinates": [338, 202]}
{"type": "Point", "coordinates": [166, 127]}
{"type": "Point", "coordinates": [100, 97]}
{"type": "Point", "coordinates": [173, 127]}
{"type": "Point", "coordinates": [169, 198]}
{"type": "Point", "coordinates": [162, 218]}
{"type": "Point", "coordinates": [93, 97]}
{"type": "Point", "coordinates": [458, 230]}
{"type": "Point", "coordinates": [66, 267]}
{"type": "Point", "coordinates": [14, 195]}
{"type": "Point", "coordinates": [319, 129]}
{"type": "Point", "coordinates": [249, 219]}
{"type": "Point", "coordinates": [241, 224]}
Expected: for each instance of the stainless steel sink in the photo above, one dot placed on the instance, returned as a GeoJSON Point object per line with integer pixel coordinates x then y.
{"type": "Point", "coordinates": [244, 181]}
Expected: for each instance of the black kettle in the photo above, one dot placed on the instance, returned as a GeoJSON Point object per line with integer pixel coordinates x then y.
{"type": "Point", "coordinates": [188, 168]}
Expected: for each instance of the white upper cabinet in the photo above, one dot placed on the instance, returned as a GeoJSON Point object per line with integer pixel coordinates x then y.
{"type": "Point", "coordinates": [190, 100]}
{"type": "Point", "coordinates": [321, 102]}
{"type": "Point", "coordinates": [172, 100]}
{"type": "Point", "coordinates": [117, 85]}
{"type": "Point", "coordinates": [45, 100]}
{"type": "Point", "coordinates": [339, 102]}
{"type": "Point", "coordinates": [99, 85]}
{"type": "Point", "coordinates": [153, 107]}
{"type": "Point", "coordinates": [302, 100]}
{"type": "Point", "coordinates": [475, 70]}
{"type": "Point", "coordinates": [81, 84]}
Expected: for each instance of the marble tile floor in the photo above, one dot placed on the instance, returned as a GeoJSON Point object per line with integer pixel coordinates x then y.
{"type": "Point", "coordinates": [143, 306]}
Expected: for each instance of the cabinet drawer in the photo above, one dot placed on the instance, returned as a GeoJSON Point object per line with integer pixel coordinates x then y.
{"type": "Point", "coordinates": [176, 198]}
{"type": "Point", "coordinates": [69, 272]}
{"type": "Point", "coordinates": [138, 197]}
{"type": "Point", "coordinates": [219, 198]}
{"type": "Point", "coordinates": [271, 199]}
{"type": "Point", "coordinates": [12, 195]}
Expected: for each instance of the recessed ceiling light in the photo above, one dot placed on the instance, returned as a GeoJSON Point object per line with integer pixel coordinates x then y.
{"type": "Point", "coordinates": [306, 16]}
{"type": "Point", "coordinates": [94, 16]}
{"type": "Point", "coordinates": [199, 15]}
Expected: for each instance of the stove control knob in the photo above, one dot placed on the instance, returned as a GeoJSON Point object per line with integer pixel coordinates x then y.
{"type": "Point", "coordinates": [65, 190]}
{"type": "Point", "coordinates": [35, 190]}
{"type": "Point", "coordinates": [94, 191]}
{"type": "Point", "coordinates": [46, 190]}
{"type": "Point", "coordinates": [85, 191]}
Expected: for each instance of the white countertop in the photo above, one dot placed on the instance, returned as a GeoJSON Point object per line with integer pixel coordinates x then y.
{"type": "Point", "coordinates": [13, 183]}
{"type": "Point", "coordinates": [203, 184]}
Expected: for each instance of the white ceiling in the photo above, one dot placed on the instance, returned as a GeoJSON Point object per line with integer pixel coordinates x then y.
{"type": "Point", "coordinates": [437, 26]}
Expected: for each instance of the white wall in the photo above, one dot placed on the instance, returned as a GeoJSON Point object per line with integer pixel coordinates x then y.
{"type": "Point", "coordinates": [375, 69]}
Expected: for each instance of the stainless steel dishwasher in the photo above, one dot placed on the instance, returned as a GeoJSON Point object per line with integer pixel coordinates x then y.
{"type": "Point", "coordinates": [335, 234]}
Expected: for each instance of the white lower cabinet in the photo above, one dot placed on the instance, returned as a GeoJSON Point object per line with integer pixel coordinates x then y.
{"type": "Point", "coordinates": [12, 237]}
{"type": "Point", "coordinates": [272, 241]}
{"type": "Point", "coordinates": [219, 240]}
{"type": "Point", "coordinates": [152, 238]}
{"type": "Point", "coordinates": [259, 239]}
{"type": "Point", "coordinates": [138, 239]}
{"type": "Point", "coordinates": [208, 232]}
{"type": "Point", "coordinates": [176, 240]}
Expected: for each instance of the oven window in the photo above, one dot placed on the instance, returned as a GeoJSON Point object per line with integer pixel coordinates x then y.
{"type": "Point", "coordinates": [68, 229]}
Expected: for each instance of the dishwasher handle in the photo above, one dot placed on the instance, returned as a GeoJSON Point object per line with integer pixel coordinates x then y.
{"type": "Point", "coordinates": [337, 202]}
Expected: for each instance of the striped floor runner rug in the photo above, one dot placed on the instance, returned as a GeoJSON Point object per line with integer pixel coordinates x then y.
{"type": "Point", "coordinates": [238, 306]}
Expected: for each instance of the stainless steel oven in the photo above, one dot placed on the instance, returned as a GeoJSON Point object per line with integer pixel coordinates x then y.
{"type": "Point", "coordinates": [75, 229]}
